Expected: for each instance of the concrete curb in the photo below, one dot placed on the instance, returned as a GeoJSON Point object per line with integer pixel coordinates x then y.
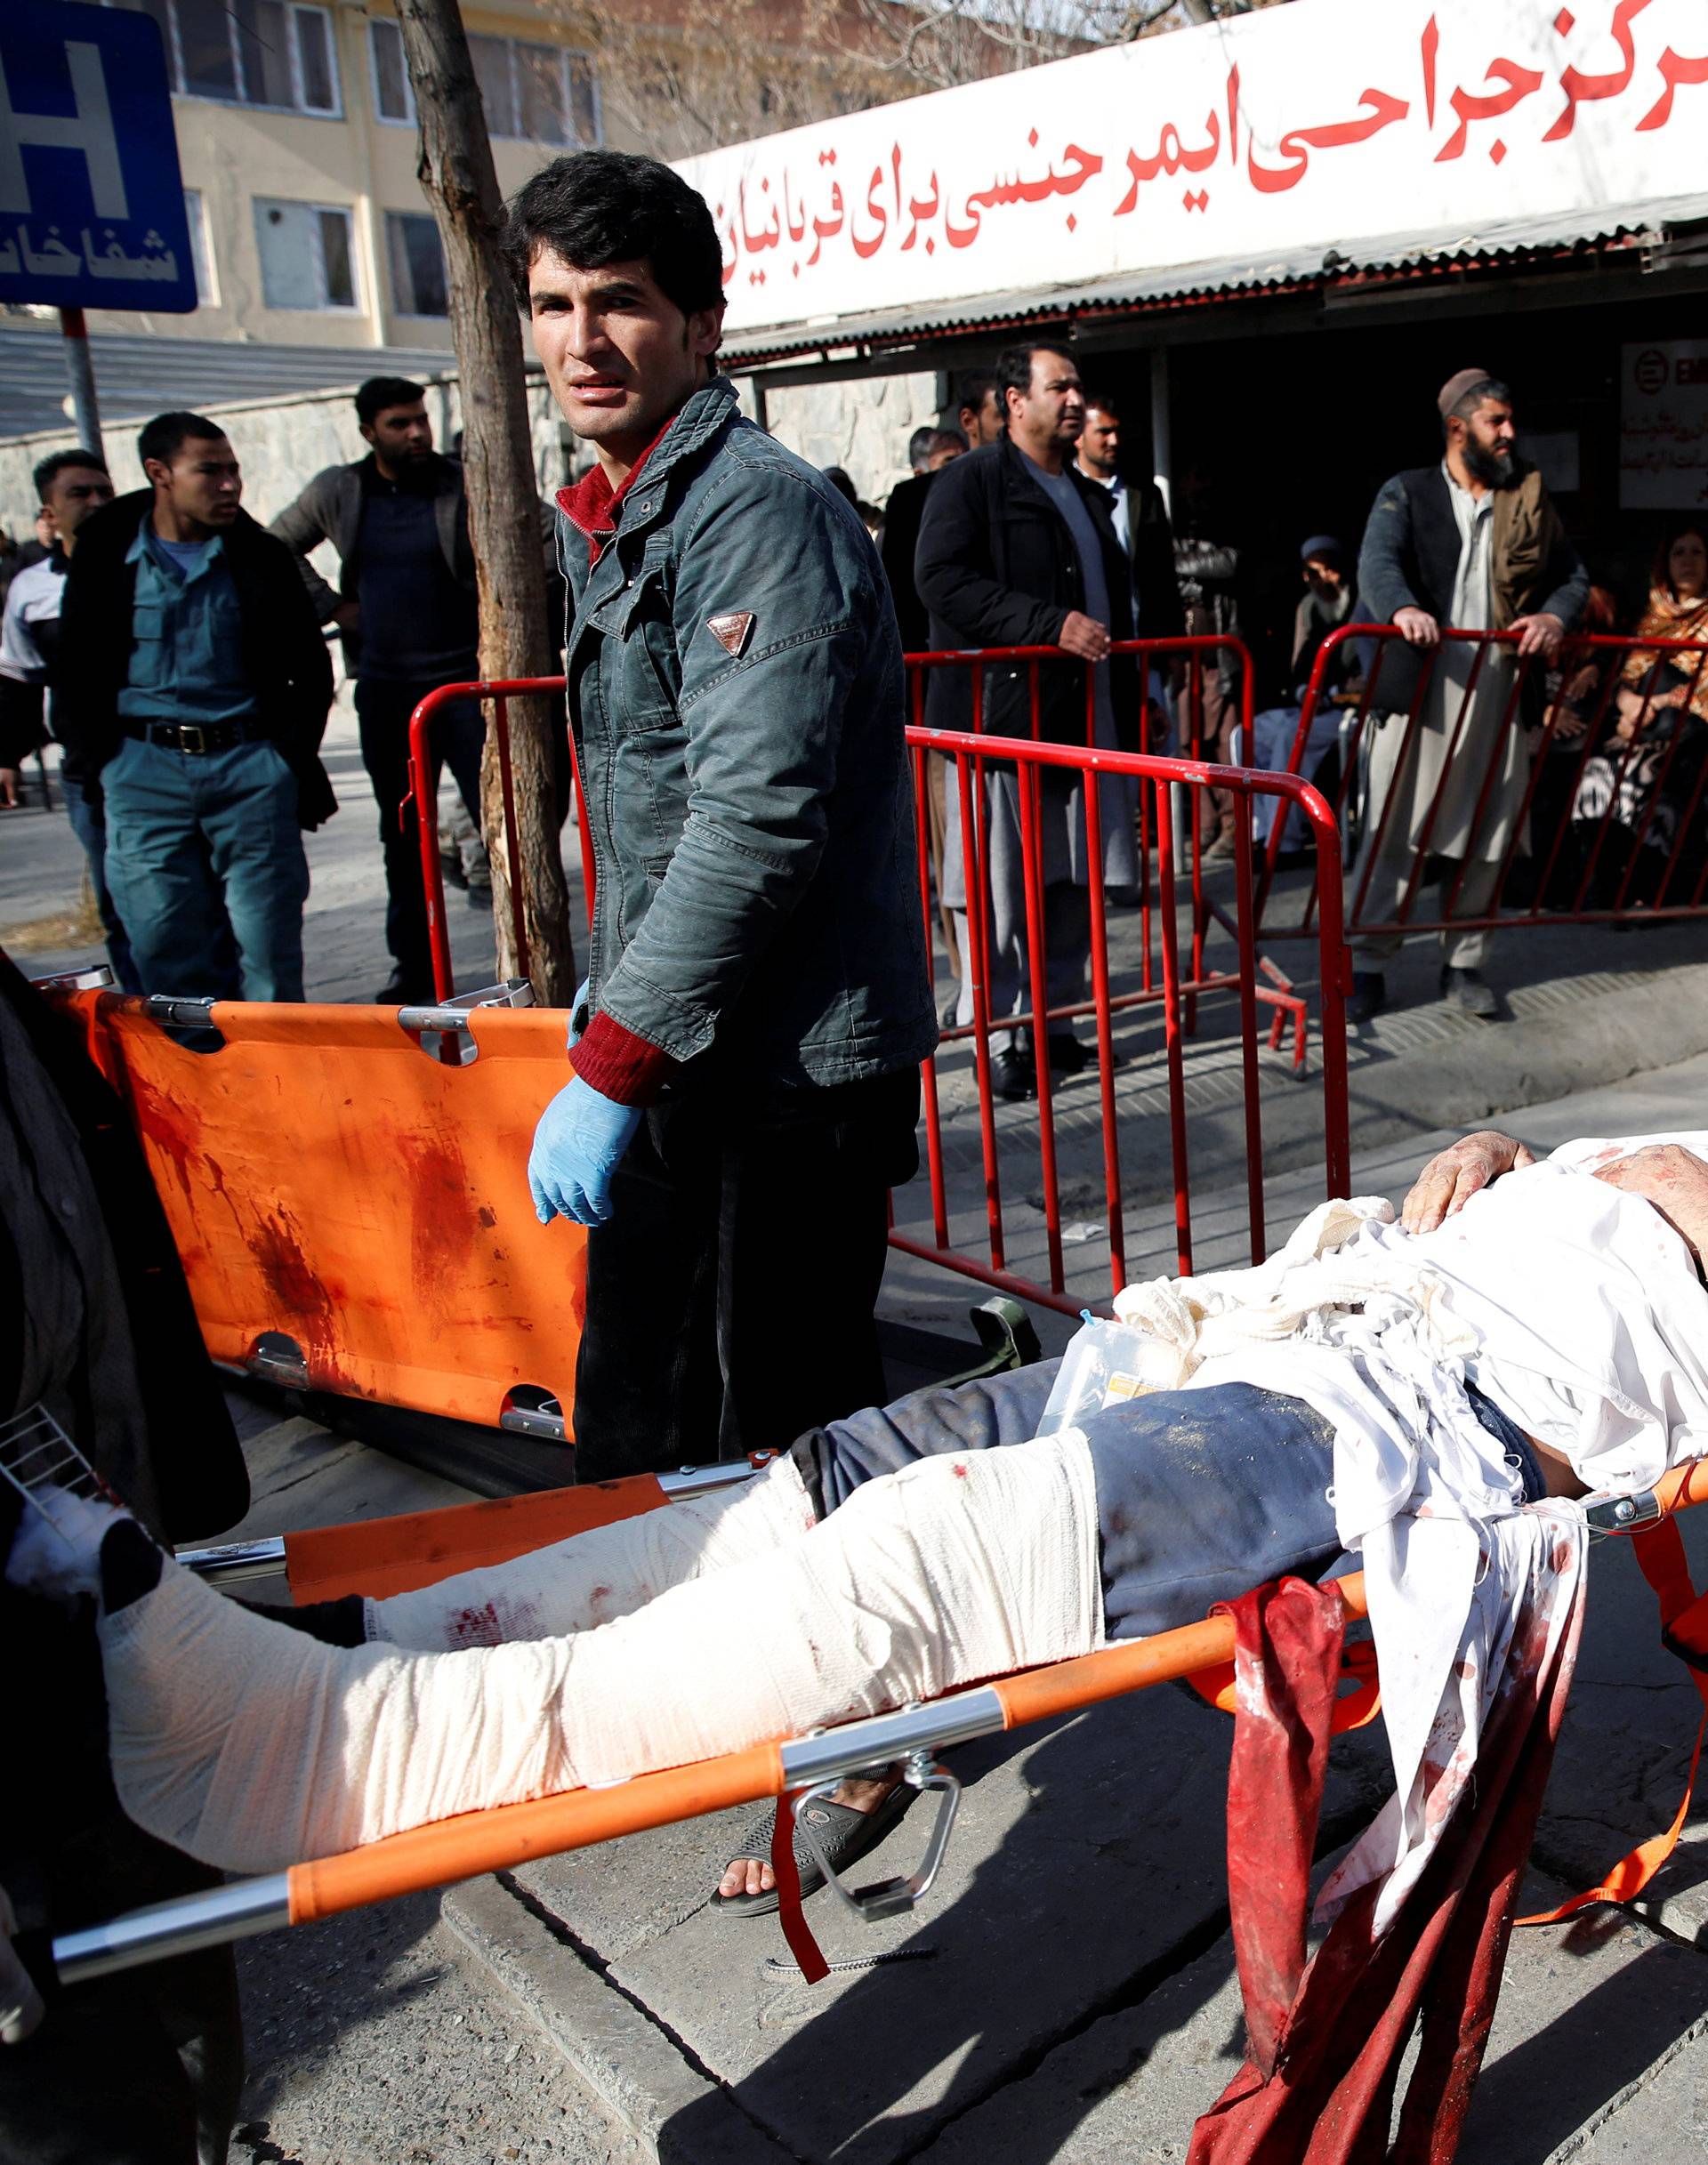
{"type": "Point", "coordinates": [639, 2072]}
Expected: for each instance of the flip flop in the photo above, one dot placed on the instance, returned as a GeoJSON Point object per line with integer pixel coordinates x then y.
{"type": "Point", "coordinates": [844, 1834]}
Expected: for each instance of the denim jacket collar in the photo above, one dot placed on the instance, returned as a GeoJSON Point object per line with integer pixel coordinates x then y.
{"type": "Point", "coordinates": [707, 411]}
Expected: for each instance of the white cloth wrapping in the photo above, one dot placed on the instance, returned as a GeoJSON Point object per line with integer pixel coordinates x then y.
{"type": "Point", "coordinates": [1572, 1304]}
{"type": "Point", "coordinates": [608, 1572]}
{"type": "Point", "coordinates": [253, 1747]}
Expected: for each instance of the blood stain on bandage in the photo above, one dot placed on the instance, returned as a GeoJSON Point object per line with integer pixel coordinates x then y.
{"type": "Point", "coordinates": [959, 1471]}
{"type": "Point", "coordinates": [473, 1627]}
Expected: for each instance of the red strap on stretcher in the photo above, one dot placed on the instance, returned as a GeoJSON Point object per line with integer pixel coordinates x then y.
{"type": "Point", "coordinates": [1684, 1629]}
{"type": "Point", "coordinates": [797, 1930]}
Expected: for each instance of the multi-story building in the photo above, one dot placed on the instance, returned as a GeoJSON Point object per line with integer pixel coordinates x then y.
{"type": "Point", "coordinates": [297, 136]}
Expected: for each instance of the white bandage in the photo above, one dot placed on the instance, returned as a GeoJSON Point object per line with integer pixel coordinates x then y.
{"type": "Point", "coordinates": [56, 1550]}
{"type": "Point", "coordinates": [253, 1746]}
{"type": "Point", "coordinates": [594, 1578]}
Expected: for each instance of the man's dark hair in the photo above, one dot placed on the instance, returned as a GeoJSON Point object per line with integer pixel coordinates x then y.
{"type": "Point", "coordinates": [615, 207]}
{"type": "Point", "coordinates": [49, 470]}
{"type": "Point", "coordinates": [379, 392]}
{"type": "Point", "coordinates": [1106, 402]}
{"type": "Point", "coordinates": [975, 389]}
{"type": "Point", "coordinates": [947, 440]}
{"type": "Point", "coordinates": [165, 435]}
{"type": "Point", "coordinates": [1470, 398]}
{"type": "Point", "coordinates": [1014, 365]}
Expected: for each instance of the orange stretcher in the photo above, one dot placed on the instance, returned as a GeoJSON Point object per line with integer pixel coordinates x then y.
{"type": "Point", "coordinates": [392, 1555]}
{"type": "Point", "coordinates": [348, 1192]}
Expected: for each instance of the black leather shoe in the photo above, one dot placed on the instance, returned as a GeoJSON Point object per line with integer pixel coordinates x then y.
{"type": "Point", "coordinates": [1012, 1077]}
{"type": "Point", "coordinates": [397, 992]}
{"type": "Point", "coordinates": [1368, 997]}
{"type": "Point", "coordinates": [1068, 1056]}
{"type": "Point", "coordinates": [1467, 989]}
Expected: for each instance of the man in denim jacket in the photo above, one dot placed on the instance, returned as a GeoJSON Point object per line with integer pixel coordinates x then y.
{"type": "Point", "coordinates": [745, 1089]}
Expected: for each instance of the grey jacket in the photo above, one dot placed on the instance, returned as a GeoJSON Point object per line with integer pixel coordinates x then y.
{"type": "Point", "coordinates": [747, 787]}
{"type": "Point", "coordinates": [330, 508]}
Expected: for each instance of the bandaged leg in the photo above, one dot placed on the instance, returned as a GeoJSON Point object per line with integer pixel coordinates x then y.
{"type": "Point", "coordinates": [253, 1747]}
{"type": "Point", "coordinates": [595, 1577]}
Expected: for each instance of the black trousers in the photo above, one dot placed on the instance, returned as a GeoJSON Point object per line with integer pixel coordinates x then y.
{"type": "Point", "coordinates": [730, 1296]}
{"type": "Point", "coordinates": [383, 712]}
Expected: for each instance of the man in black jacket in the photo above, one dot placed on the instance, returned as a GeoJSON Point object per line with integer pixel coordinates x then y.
{"type": "Point", "coordinates": [194, 692]}
{"type": "Point", "coordinates": [1141, 517]}
{"type": "Point", "coordinates": [97, 1331]}
{"type": "Point", "coordinates": [1018, 549]}
{"type": "Point", "coordinates": [408, 606]}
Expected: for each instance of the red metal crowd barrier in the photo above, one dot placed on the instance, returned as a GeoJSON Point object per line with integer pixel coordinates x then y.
{"type": "Point", "coordinates": [1170, 973]}
{"type": "Point", "coordinates": [1595, 816]}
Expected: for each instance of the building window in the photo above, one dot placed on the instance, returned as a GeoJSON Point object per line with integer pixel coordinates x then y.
{"type": "Point", "coordinates": [393, 99]}
{"type": "Point", "coordinates": [201, 253]}
{"type": "Point", "coordinates": [532, 93]}
{"type": "Point", "coordinates": [267, 52]}
{"type": "Point", "coordinates": [418, 286]}
{"type": "Point", "coordinates": [307, 256]}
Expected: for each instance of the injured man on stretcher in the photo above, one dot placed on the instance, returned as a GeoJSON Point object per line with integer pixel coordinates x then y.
{"type": "Point", "coordinates": [1401, 1388]}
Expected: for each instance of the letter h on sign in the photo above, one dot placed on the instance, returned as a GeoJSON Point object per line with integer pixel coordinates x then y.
{"type": "Point", "coordinates": [89, 130]}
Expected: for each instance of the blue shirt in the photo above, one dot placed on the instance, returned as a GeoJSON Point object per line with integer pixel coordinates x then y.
{"type": "Point", "coordinates": [186, 633]}
{"type": "Point", "coordinates": [419, 625]}
{"type": "Point", "coordinates": [1063, 492]}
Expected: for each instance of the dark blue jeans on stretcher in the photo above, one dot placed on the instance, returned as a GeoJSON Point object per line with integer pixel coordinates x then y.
{"type": "Point", "coordinates": [1201, 1494]}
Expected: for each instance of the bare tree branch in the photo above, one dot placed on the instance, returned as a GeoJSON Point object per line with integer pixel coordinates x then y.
{"type": "Point", "coordinates": [688, 75]}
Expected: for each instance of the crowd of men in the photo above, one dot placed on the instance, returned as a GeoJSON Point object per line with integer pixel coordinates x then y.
{"type": "Point", "coordinates": [178, 651]}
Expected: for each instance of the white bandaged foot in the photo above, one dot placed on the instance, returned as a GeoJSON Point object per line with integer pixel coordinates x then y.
{"type": "Point", "coordinates": [253, 1746]}
{"type": "Point", "coordinates": [608, 1572]}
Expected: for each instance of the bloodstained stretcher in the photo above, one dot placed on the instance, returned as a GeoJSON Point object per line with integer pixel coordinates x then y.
{"type": "Point", "coordinates": [392, 1555]}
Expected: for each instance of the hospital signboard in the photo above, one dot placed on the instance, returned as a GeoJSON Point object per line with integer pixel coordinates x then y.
{"type": "Point", "coordinates": [1327, 133]}
{"type": "Point", "coordinates": [92, 205]}
{"type": "Point", "coordinates": [1663, 425]}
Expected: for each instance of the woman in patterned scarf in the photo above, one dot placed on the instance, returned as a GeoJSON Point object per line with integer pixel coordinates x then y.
{"type": "Point", "coordinates": [1650, 771]}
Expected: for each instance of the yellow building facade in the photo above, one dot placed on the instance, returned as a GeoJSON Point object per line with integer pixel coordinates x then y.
{"type": "Point", "coordinates": [297, 141]}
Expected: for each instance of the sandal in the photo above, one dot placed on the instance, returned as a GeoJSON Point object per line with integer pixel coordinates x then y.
{"type": "Point", "coordinates": [844, 1834]}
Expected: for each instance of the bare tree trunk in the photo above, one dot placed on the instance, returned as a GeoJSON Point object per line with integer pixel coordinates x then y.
{"type": "Point", "coordinates": [456, 171]}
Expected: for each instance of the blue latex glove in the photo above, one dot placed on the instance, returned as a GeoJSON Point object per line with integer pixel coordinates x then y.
{"type": "Point", "coordinates": [581, 1136]}
{"type": "Point", "coordinates": [577, 1006]}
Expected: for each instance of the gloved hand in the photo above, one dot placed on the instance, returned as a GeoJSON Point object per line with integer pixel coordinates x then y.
{"type": "Point", "coordinates": [56, 1550]}
{"type": "Point", "coordinates": [577, 1010]}
{"type": "Point", "coordinates": [581, 1136]}
{"type": "Point", "coordinates": [21, 2004]}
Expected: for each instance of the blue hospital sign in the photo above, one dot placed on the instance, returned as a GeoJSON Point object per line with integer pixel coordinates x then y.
{"type": "Point", "coordinates": [91, 207]}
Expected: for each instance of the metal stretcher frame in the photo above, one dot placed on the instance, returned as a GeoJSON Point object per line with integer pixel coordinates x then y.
{"type": "Point", "coordinates": [509, 1835]}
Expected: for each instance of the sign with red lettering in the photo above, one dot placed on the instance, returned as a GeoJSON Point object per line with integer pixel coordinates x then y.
{"type": "Point", "coordinates": [1663, 426]}
{"type": "Point", "coordinates": [1236, 149]}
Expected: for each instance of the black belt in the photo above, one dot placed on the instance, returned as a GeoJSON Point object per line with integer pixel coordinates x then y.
{"type": "Point", "coordinates": [196, 737]}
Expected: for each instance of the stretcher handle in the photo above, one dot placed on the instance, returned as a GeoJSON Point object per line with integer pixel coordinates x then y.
{"type": "Point", "coordinates": [512, 1834]}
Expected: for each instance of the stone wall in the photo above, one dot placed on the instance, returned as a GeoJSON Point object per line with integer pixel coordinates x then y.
{"type": "Point", "coordinates": [863, 425]}
{"type": "Point", "coordinates": [280, 442]}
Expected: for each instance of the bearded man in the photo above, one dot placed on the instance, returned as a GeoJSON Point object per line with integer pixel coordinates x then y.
{"type": "Point", "coordinates": [1473, 544]}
